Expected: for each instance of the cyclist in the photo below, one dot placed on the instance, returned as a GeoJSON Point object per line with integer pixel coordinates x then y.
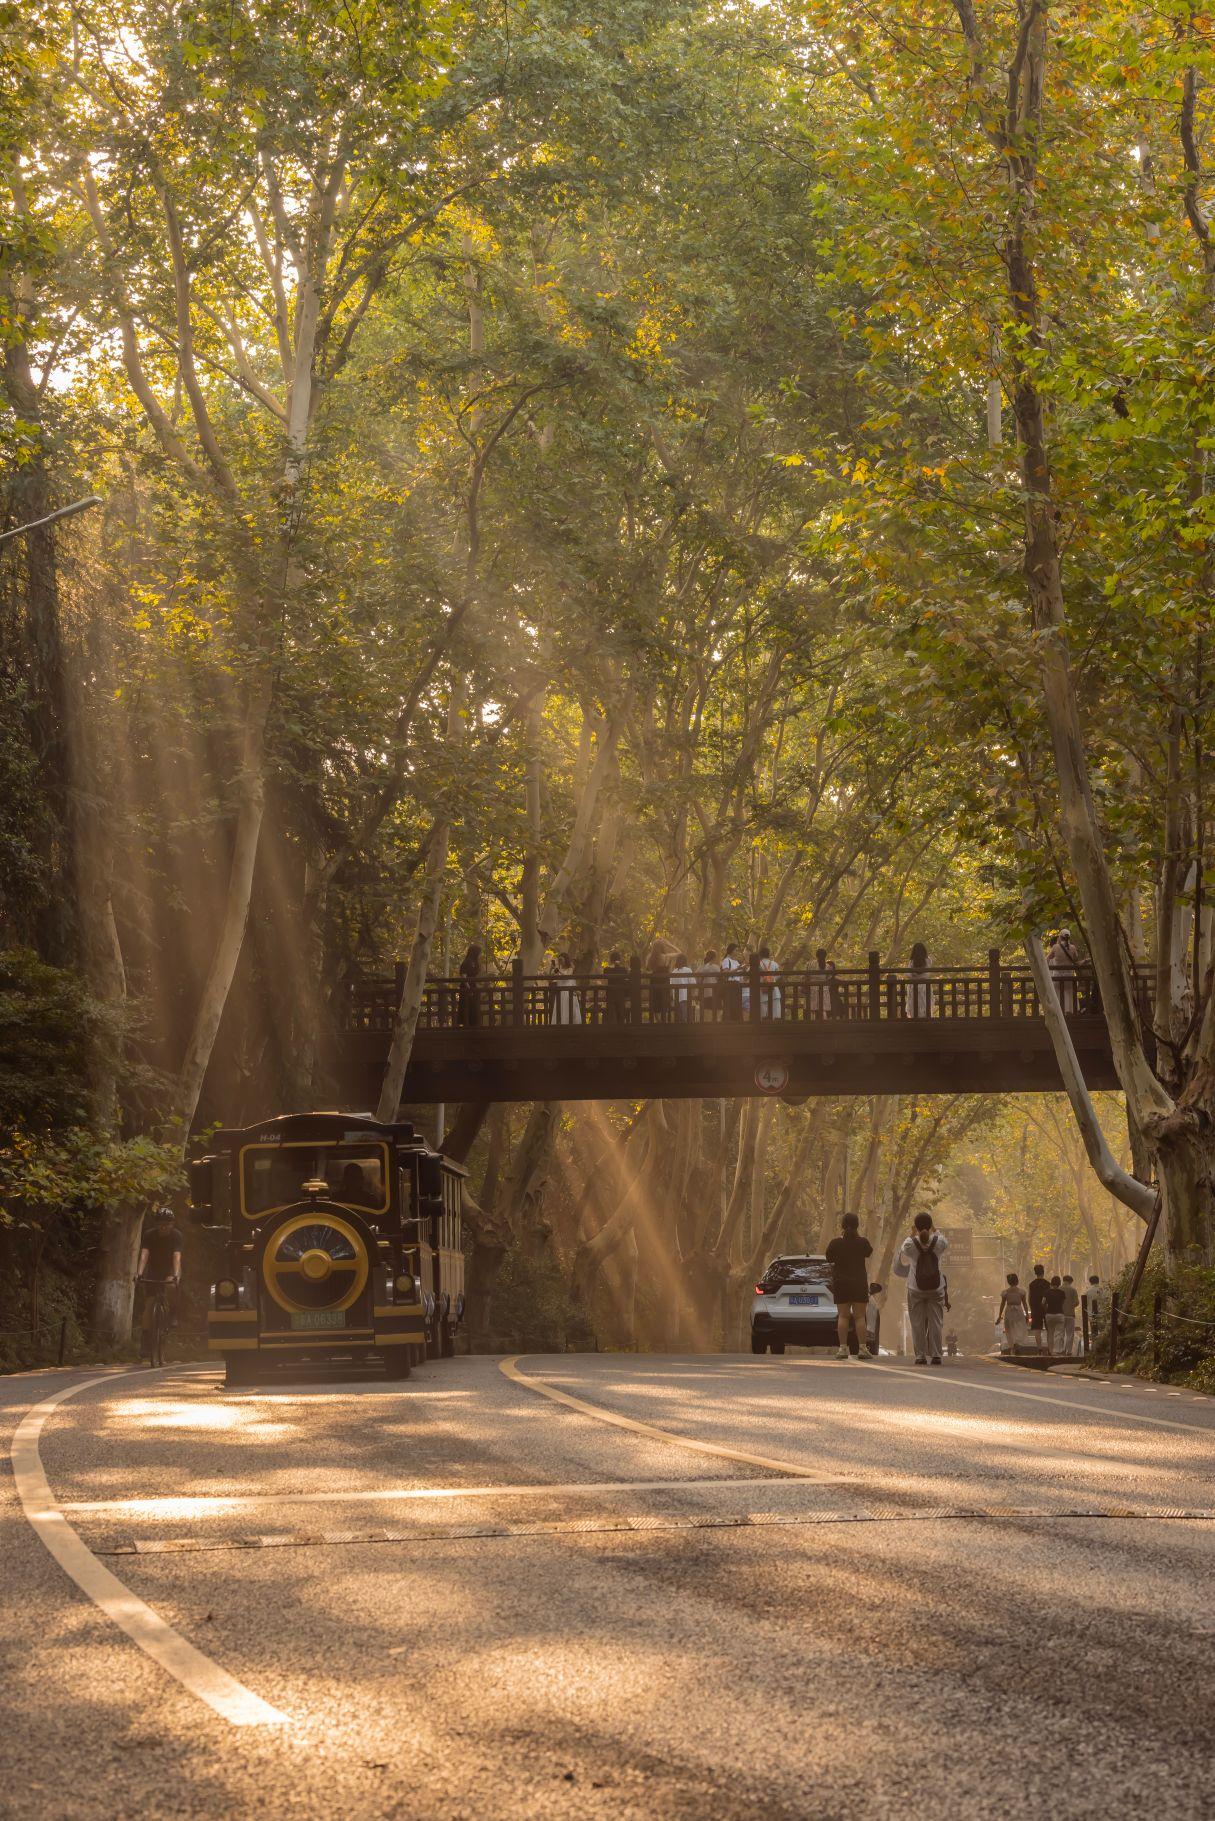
{"type": "Point", "coordinates": [159, 1263]}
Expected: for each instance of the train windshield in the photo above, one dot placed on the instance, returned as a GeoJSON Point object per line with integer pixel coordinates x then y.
{"type": "Point", "coordinates": [273, 1176]}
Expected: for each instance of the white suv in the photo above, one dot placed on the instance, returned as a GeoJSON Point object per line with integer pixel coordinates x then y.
{"type": "Point", "coordinates": [794, 1304]}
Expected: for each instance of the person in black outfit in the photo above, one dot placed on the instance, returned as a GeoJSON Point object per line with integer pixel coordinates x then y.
{"type": "Point", "coordinates": [1038, 1287]}
{"type": "Point", "coordinates": [660, 990]}
{"type": "Point", "coordinates": [849, 1256]}
{"type": "Point", "coordinates": [468, 1011]}
{"type": "Point", "coordinates": [1054, 1304]}
{"type": "Point", "coordinates": [616, 974]}
{"type": "Point", "coordinates": [159, 1262]}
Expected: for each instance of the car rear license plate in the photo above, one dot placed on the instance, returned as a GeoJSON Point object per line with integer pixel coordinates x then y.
{"type": "Point", "coordinates": [318, 1318]}
{"type": "Point", "coordinates": [805, 1299]}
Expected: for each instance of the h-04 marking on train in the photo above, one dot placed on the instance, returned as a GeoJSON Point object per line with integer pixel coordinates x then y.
{"type": "Point", "coordinates": [345, 1242]}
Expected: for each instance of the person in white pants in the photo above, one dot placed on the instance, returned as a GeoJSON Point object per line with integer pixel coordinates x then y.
{"type": "Point", "coordinates": [919, 1261]}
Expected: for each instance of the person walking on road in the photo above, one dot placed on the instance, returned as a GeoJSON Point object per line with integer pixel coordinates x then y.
{"type": "Point", "coordinates": [1013, 1313]}
{"type": "Point", "coordinates": [848, 1255]}
{"type": "Point", "coordinates": [919, 1261]}
{"type": "Point", "coordinates": [159, 1263]}
{"type": "Point", "coordinates": [1070, 1308]}
{"type": "Point", "coordinates": [1038, 1287]}
{"type": "Point", "coordinates": [1054, 1303]}
{"type": "Point", "coordinates": [1094, 1302]}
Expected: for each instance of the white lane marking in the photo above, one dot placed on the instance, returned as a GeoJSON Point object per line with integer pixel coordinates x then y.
{"type": "Point", "coordinates": [601, 1415]}
{"type": "Point", "coordinates": [943, 1376]}
{"type": "Point", "coordinates": [196, 1673]}
{"type": "Point", "coordinates": [216, 1504]}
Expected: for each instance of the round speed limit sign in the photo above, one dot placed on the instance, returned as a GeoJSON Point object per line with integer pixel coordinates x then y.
{"type": "Point", "coordinates": [771, 1077]}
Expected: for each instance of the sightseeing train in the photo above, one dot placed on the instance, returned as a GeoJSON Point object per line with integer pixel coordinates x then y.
{"type": "Point", "coordinates": [344, 1243]}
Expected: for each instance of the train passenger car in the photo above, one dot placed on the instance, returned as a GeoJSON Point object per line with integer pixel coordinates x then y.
{"type": "Point", "coordinates": [344, 1242]}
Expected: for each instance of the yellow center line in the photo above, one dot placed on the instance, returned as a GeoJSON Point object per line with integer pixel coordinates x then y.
{"type": "Point", "coordinates": [601, 1415]}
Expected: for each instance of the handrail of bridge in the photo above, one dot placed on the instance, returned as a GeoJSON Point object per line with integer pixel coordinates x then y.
{"type": "Point", "coordinates": [631, 996]}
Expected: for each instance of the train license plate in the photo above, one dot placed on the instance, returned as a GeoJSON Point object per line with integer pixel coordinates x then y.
{"type": "Point", "coordinates": [805, 1299]}
{"type": "Point", "coordinates": [318, 1318]}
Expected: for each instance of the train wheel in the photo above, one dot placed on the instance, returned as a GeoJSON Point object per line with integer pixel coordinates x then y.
{"type": "Point", "coordinates": [447, 1341]}
{"type": "Point", "coordinates": [240, 1369]}
{"type": "Point", "coordinates": [397, 1363]}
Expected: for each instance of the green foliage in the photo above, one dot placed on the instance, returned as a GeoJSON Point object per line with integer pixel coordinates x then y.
{"type": "Point", "coordinates": [1186, 1351]}
{"type": "Point", "coordinates": [47, 1024]}
{"type": "Point", "coordinates": [531, 1305]}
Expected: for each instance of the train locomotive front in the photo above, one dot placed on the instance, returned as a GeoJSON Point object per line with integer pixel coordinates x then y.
{"type": "Point", "coordinates": [344, 1243]}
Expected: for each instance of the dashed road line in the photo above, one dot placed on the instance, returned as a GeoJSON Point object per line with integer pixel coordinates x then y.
{"type": "Point", "coordinates": [145, 1627]}
{"type": "Point", "coordinates": [647, 1522]}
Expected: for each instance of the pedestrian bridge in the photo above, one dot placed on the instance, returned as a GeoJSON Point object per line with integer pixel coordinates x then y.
{"type": "Point", "coordinates": [869, 1030]}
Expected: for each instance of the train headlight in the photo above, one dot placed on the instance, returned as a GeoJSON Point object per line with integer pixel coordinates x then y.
{"type": "Point", "coordinates": [403, 1286]}
{"type": "Point", "coordinates": [225, 1290]}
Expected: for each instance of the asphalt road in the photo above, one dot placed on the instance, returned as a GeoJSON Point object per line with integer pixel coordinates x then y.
{"type": "Point", "coordinates": [461, 1598]}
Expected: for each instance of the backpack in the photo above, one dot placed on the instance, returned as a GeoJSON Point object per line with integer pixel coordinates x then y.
{"type": "Point", "coordinates": [927, 1270]}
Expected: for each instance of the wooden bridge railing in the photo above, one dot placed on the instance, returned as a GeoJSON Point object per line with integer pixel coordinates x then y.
{"type": "Point", "coordinates": [806, 996]}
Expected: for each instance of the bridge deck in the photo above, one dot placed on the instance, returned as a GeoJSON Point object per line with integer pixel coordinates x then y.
{"type": "Point", "coordinates": [857, 1031]}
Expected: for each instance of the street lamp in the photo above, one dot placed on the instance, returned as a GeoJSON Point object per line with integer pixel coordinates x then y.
{"type": "Point", "coordinates": [36, 524]}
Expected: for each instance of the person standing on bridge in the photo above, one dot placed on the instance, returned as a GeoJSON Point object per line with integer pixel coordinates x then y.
{"type": "Point", "coordinates": [565, 1007]}
{"type": "Point", "coordinates": [731, 982]}
{"type": "Point", "coordinates": [710, 984]}
{"type": "Point", "coordinates": [919, 1261]}
{"type": "Point", "coordinates": [681, 988]}
{"type": "Point", "coordinates": [1063, 960]}
{"type": "Point", "coordinates": [820, 999]}
{"type": "Point", "coordinates": [769, 991]}
{"type": "Point", "coordinates": [616, 978]}
{"type": "Point", "coordinates": [468, 1010]}
{"type": "Point", "coordinates": [848, 1257]}
{"type": "Point", "coordinates": [917, 996]}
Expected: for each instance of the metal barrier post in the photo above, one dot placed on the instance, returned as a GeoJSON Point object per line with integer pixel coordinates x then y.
{"type": "Point", "coordinates": [1156, 1302]}
{"type": "Point", "coordinates": [1113, 1330]}
{"type": "Point", "coordinates": [1084, 1327]}
{"type": "Point", "coordinates": [63, 1339]}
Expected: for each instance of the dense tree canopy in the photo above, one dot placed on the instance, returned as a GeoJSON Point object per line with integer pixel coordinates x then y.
{"type": "Point", "coordinates": [588, 474]}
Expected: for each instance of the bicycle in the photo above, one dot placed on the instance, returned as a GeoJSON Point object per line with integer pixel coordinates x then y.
{"type": "Point", "coordinates": [157, 1325]}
